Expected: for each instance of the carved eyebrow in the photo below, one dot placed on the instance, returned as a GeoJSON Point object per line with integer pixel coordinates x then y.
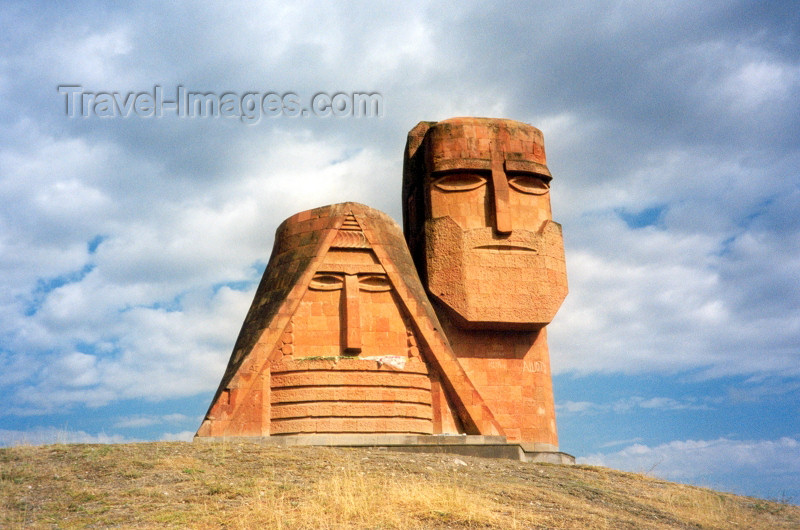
{"type": "Point", "coordinates": [529, 183]}
{"type": "Point", "coordinates": [326, 281]}
{"type": "Point", "coordinates": [460, 181]}
{"type": "Point", "coordinates": [374, 282]}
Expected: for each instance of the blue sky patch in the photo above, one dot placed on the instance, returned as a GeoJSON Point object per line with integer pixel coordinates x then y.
{"type": "Point", "coordinates": [642, 218]}
{"type": "Point", "coordinates": [44, 286]}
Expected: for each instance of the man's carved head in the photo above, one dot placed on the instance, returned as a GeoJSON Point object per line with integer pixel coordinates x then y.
{"type": "Point", "coordinates": [476, 210]}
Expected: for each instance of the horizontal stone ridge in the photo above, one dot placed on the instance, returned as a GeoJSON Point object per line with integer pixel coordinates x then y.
{"type": "Point", "coordinates": [413, 366]}
{"type": "Point", "coordinates": [351, 410]}
{"type": "Point", "coordinates": [351, 425]}
{"type": "Point", "coordinates": [350, 393]}
{"type": "Point", "coordinates": [320, 378]}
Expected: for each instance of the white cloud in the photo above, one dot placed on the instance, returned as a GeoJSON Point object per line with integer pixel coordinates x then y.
{"type": "Point", "coordinates": [636, 115]}
{"type": "Point", "coordinates": [621, 442]}
{"type": "Point", "coordinates": [53, 435]}
{"type": "Point", "coordinates": [754, 467]}
{"type": "Point", "coordinates": [629, 405]}
{"type": "Point", "coordinates": [577, 406]}
{"type": "Point", "coordinates": [94, 58]}
{"type": "Point", "coordinates": [688, 294]}
{"type": "Point", "coordinates": [147, 420]}
{"type": "Point", "coordinates": [77, 369]}
{"type": "Point", "coordinates": [145, 315]}
{"type": "Point", "coordinates": [760, 83]}
{"type": "Point", "coordinates": [183, 436]}
{"type": "Point", "coordinates": [153, 354]}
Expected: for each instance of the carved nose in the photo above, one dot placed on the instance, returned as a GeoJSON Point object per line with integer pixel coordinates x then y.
{"type": "Point", "coordinates": [502, 213]}
{"type": "Point", "coordinates": [352, 315]}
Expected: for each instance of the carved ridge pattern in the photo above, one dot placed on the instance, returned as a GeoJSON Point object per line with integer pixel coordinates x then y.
{"type": "Point", "coordinates": [287, 339]}
{"type": "Point", "coordinates": [350, 239]}
{"type": "Point", "coordinates": [350, 223]}
{"type": "Point", "coordinates": [411, 339]}
{"type": "Point", "coordinates": [349, 396]}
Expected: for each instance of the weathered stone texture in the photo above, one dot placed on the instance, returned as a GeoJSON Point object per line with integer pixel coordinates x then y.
{"type": "Point", "coordinates": [352, 346]}
{"type": "Point", "coordinates": [342, 337]}
{"type": "Point", "coordinates": [476, 212]}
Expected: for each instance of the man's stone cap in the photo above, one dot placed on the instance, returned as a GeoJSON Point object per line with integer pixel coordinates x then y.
{"type": "Point", "coordinates": [471, 143]}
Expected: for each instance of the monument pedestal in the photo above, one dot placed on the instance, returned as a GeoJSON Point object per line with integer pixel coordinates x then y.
{"type": "Point", "coordinates": [465, 445]}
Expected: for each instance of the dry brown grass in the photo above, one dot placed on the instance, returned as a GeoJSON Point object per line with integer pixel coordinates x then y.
{"type": "Point", "coordinates": [181, 485]}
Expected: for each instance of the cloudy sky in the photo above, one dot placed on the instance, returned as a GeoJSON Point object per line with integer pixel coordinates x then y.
{"type": "Point", "coordinates": [131, 244]}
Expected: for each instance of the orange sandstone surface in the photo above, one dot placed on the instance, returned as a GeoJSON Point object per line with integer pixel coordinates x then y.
{"type": "Point", "coordinates": [344, 337]}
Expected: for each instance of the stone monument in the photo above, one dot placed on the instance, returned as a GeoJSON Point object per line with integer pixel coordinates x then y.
{"type": "Point", "coordinates": [353, 340]}
{"type": "Point", "coordinates": [341, 339]}
{"type": "Point", "coordinates": [476, 213]}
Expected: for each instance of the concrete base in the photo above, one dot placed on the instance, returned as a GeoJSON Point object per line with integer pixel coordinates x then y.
{"type": "Point", "coordinates": [482, 446]}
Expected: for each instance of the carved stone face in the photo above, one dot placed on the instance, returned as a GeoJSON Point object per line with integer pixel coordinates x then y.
{"type": "Point", "coordinates": [493, 255]}
{"type": "Point", "coordinates": [349, 309]}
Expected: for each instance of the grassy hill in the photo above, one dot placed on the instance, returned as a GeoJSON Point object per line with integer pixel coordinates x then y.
{"type": "Point", "coordinates": [176, 484]}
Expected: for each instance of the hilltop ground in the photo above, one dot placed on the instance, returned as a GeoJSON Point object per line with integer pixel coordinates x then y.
{"type": "Point", "coordinates": [210, 485]}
